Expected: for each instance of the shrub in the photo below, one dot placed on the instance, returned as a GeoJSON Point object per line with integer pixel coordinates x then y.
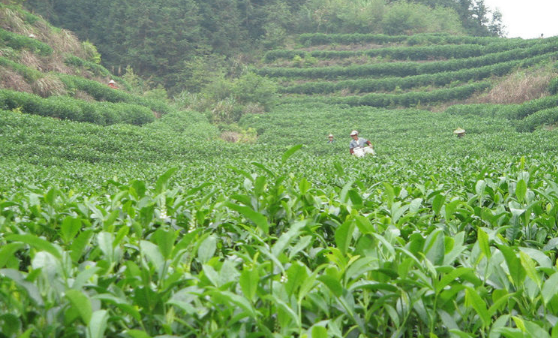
{"type": "Point", "coordinates": [17, 41]}
{"type": "Point", "coordinates": [257, 89]}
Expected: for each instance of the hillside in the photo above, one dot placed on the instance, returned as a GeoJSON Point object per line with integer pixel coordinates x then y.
{"type": "Point", "coordinates": [48, 71]}
{"type": "Point", "coordinates": [123, 215]}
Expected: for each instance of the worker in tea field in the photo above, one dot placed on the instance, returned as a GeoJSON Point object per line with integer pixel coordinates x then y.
{"type": "Point", "coordinates": [330, 139]}
{"type": "Point", "coordinates": [112, 84]}
{"type": "Point", "coordinates": [360, 146]}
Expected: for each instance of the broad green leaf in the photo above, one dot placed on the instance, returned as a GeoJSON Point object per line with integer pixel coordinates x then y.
{"type": "Point", "coordinates": [344, 236]}
{"type": "Point", "coordinates": [79, 244]}
{"type": "Point", "coordinates": [137, 334]}
{"type": "Point", "coordinates": [290, 153]}
{"type": "Point", "coordinates": [8, 252]}
{"type": "Point", "coordinates": [530, 268]}
{"type": "Point", "coordinates": [483, 243]}
{"type": "Point", "coordinates": [249, 279]}
{"type": "Point", "coordinates": [165, 241]}
{"type": "Point", "coordinates": [459, 333]}
{"type": "Point", "coordinates": [207, 249]}
{"type": "Point", "coordinates": [163, 179]}
{"type": "Point", "coordinates": [517, 272]}
{"type": "Point", "coordinates": [37, 243]}
{"type": "Point", "coordinates": [69, 228]}
{"type": "Point", "coordinates": [151, 251]}
{"type": "Point", "coordinates": [473, 300]}
{"type": "Point", "coordinates": [437, 203]}
{"type": "Point", "coordinates": [302, 243]}
{"type": "Point", "coordinates": [332, 284]}
{"type": "Point", "coordinates": [364, 225]}
{"type": "Point", "coordinates": [390, 194]}
{"type": "Point", "coordinates": [319, 332]}
{"type": "Point", "coordinates": [27, 333]}
{"type": "Point", "coordinates": [534, 330]}
{"type": "Point", "coordinates": [279, 246]}
{"type": "Point", "coordinates": [521, 190]}
{"type": "Point", "coordinates": [11, 326]}
{"type": "Point", "coordinates": [450, 277]}
{"type": "Point", "coordinates": [98, 324]}
{"type": "Point", "coordinates": [81, 303]}
{"type": "Point", "coordinates": [296, 275]}
{"type": "Point", "coordinates": [434, 247]}
{"type": "Point", "coordinates": [254, 216]}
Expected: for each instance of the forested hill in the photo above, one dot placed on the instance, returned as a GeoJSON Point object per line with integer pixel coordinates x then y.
{"type": "Point", "coordinates": [169, 41]}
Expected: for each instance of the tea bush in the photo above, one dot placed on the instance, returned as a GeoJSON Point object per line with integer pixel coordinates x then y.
{"type": "Point", "coordinates": [103, 113]}
{"type": "Point", "coordinates": [17, 41]}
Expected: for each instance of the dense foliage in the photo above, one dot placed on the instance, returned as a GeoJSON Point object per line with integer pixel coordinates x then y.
{"type": "Point", "coordinates": [436, 236]}
{"type": "Point", "coordinates": [165, 39]}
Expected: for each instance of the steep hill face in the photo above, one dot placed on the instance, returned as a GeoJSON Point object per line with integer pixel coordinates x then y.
{"type": "Point", "coordinates": [48, 71]}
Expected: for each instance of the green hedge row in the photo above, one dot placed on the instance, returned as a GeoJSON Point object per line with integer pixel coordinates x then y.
{"type": "Point", "coordinates": [408, 53]}
{"type": "Point", "coordinates": [312, 39]}
{"type": "Point", "coordinates": [28, 73]}
{"type": "Point", "coordinates": [553, 86]}
{"type": "Point", "coordinates": [436, 79]}
{"type": "Point", "coordinates": [73, 60]}
{"type": "Point", "coordinates": [402, 100]}
{"type": "Point", "coordinates": [539, 118]}
{"type": "Point", "coordinates": [510, 112]}
{"type": "Point", "coordinates": [103, 92]}
{"type": "Point", "coordinates": [67, 108]}
{"type": "Point", "coordinates": [407, 68]}
{"type": "Point", "coordinates": [17, 41]}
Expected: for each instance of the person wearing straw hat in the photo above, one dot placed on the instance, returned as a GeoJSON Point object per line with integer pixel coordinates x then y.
{"type": "Point", "coordinates": [460, 132]}
{"type": "Point", "coordinates": [360, 146]}
{"type": "Point", "coordinates": [112, 84]}
{"type": "Point", "coordinates": [330, 139]}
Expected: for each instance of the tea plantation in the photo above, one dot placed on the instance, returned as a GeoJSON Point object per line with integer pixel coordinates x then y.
{"type": "Point", "coordinates": [142, 227]}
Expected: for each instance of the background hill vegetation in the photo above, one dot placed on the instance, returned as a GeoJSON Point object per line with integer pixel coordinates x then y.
{"type": "Point", "coordinates": [185, 44]}
{"type": "Point", "coordinates": [224, 212]}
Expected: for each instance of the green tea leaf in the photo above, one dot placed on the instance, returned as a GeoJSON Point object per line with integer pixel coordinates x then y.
{"type": "Point", "coordinates": [437, 203]}
{"type": "Point", "coordinates": [483, 243]}
{"type": "Point", "coordinates": [81, 303]}
{"type": "Point", "coordinates": [207, 249]}
{"type": "Point", "coordinates": [98, 324]}
{"type": "Point", "coordinates": [290, 153]}
{"type": "Point", "coordinates": [69, 228]}
{"type": "Point", "coordinates": [8, 251]}
{"type": "Point", "coordinates": [344, 235]}
{"type": "Point", "coordinates": [249, 279]}
{"type": "Point", "coordinates": [332, 284]}
{"type": "Point", "coordinates": [319, 332]}
{"type": "Point", "coordinates": [254, 216]}
{"type": "Point", "coordinates": [530, 268]}
{"type": "Point", "coordinates": [550, 288]}
{"type": "Point", "coordinates": [521, 190]}
{"type": "Point", "coordinates": [36, 242]}
{"type": "Point", "coordinates": [163, 179]}
{"type": "Point", "coordinates": [473, 300]}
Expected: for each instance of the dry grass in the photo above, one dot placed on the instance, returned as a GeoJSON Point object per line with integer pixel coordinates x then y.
{"type": "Point", "coordinates": [253, 108]}
{"type": "Point", "coordinates": [31, 60]}
{"type": "Point", "coordinates": [49, 85]}
{"type": "Point", "coordinates": [230, 136]}
{"type": "Point", "coordinates": [12, 80]}
{"type": "Point", "coordinates": [518, 87]}
{"type": "Point", "coordinates": [55, 63]}
{"type": "Point", "coordinates": [12, 22]}
{"type": "Point", "coordinates": [81, 95]}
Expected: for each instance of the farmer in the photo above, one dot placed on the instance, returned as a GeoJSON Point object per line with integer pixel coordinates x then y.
{"type": "Point", "coordinates": [330, 139]}
{"type": "Point", "coordinates": [459, 132]}
{"type": "Point", "coordinates": [360, 146]}
{"type": "Point", "coordinates": [112, 84]}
